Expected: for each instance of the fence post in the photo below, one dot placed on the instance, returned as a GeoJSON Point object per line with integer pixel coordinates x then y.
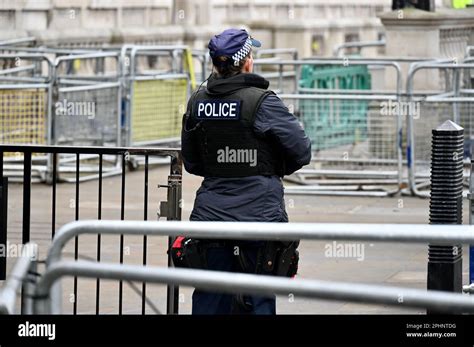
{"type": "Point", "coordinates": [174, 213]}
{"type": "Point", "coordinates": [470, 196]}
{"type": "Point", "coordinates": [445, 262]}
{"type": "Point", "coordinates": [26, 197]}
{"type": "Point", "coordinates": [3, 225]}
{"type": "Point", "coordinates": [171, 209]}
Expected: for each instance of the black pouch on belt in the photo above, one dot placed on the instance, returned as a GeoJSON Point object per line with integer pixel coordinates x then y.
{"type": "Point", "coordinates": [187, 253]}
{"type": "Point", "coordinates": [267, 258]}
{"type": "Point", "coordinates": [192, 253]}
{"type": "Point", "coordinates": [287, 263]}
{"type": "Point", "coordinates": [195, 254]}
{"type": "Point", "coordinates": [279, 258]}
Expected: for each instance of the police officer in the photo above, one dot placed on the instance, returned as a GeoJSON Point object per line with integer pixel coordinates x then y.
{"type": "Point", "coordinates": [242, 139]}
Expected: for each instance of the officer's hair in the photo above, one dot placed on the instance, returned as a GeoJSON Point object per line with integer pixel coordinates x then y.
{"type": "Point", "coordinates": [229, 69]}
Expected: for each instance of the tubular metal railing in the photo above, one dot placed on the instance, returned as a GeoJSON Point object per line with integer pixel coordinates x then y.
{"type": "Point", "coordinates": [369, 156]}
{"type": "Point", "coordinates": [359, 45]}
{"type": "Point", "coordinates": [433, 116]}
{"type": "Point", "coordinates": [20, 41]}
{"type": "Point", "coordinates": [248, 284]}
{"type": "Point", "coordinates": [404, 233]}
{"type": "Point", "coordinates": [17, 279]}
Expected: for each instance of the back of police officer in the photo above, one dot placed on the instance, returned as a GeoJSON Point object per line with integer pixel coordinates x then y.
{"type": "Point", "coordinates": [242, 139]}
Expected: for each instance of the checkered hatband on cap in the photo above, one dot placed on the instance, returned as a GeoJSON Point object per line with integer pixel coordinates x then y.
{"type": "Point", "coordinates": [242, 53]}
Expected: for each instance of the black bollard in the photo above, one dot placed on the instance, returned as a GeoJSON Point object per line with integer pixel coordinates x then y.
{"type": "Point", "coordinates": [445, 262]}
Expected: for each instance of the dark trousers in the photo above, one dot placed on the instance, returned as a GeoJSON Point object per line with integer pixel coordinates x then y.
{"type": "Point", "coordinates": [210, 303]}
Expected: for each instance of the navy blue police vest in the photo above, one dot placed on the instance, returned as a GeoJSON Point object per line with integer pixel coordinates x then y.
{"type": "Point", "coordinates": [228, 144]}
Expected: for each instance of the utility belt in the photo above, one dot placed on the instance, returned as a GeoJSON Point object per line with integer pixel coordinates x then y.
{"type": "Point", "coordinates": [273, 258]}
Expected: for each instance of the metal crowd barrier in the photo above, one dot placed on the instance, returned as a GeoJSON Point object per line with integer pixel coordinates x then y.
{"type": "Point", "coordinates": [456, 103]}
{"type": "Point", "coordinates": [379, 157]}
{"type": "Point", "coordinates": [97, 91]}
{"type": "Point", "coordinates": [90, 83]}
{"type": "Point", "coordinates": [26, 84]}
{"type": "Point", "coordinates": [286, 80]}
{"type": "Point", "coordinates": [20, 41]}
{"type": "Point", "coordinates": [203, 60]}
{"type": "Point", "coordinates": [338, 50]}
{"type": "Point", "coordinates": [22, 277]}
{"type": "Point", "coordinates": [362, 156]}
{"type": "Point", "coordinates": [74, 78]}
{"type": "Point", "coordinates": [250, 284]}
{"type": "Point", "coordinates": [156, 99]}
{"type": "Point", "coordinates": [171, 209]}
{"type": "Point", "coordinates": [25, 67]}
{"type": "Point", "coordinates": [48, 298]}
{"type": "Point", "coordinates": [358, 148]}
{"type": "Point", "coordinates": [122, 97]}
{"type": "Point", "coordinates": [283, 79]}
{"type": "Point", "coordinates": [139, 94]}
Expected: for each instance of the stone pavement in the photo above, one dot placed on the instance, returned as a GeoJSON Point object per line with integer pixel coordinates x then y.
{"type": "Point", "coordinates": [386, 264]}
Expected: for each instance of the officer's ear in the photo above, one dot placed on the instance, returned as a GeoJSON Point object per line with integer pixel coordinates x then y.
{"type": "Point", "coordinates": [248, 65]}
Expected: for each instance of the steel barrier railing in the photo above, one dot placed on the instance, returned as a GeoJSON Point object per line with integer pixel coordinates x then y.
{"type": "Point", "coordinates": [457, 98]}
{"type": "Point", "coordinates": [356, 142]}
{"type": "Point", "coordinates": [25, 99]}
{"type": "Point", "coordinates": [96, 95]}
{"type": "Point", "coordinates": [131, 90]}
{"type": "Point", "coordinates": [359, 45]}
{"type": "Point", "coordinates": [396, 59]}
{"type": "Point", "coordinates": [293, 52]}
{"type": "Point", "coordinates": [248, 284]}
{"type": "Point", "coordinates": [104, 95]}
{"type": "Point", "coordinates": [405, 233]}
{"type": "Point", "coordinates": [433, 110]}
{"type": "Point", "coordinates": [349, 135]}
{"type": "Point", "coordinates": [17, 279]}
{"type": "Point", "coordinates": [155, 100]}
{"type": "Point", "coordinates": [204, 60]}
{"type": "Point", "coordinates": [132, 103]}
{"type": "Point", "coordinates": [19, 41]}
{"type": "Point", "coordinates": [280, 74]}
{"type": "Point", "coordinates": [277, 75]}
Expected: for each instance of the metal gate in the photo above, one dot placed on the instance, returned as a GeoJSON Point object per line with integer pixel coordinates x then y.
{"type": "Point", "coordinates": [170, 209]}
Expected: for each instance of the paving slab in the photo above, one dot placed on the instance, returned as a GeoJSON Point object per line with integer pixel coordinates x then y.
{"type": "Point", "coordinates": [399, 265]}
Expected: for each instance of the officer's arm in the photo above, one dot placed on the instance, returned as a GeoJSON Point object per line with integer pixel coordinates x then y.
{"type": "Point", "coordinates": [190, 147]}
{"type": "Point", "coordinates": [274, 118]}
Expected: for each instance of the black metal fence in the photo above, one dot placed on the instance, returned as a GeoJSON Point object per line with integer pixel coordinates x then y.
{"type": "Point", "coordinates": [171, 209]}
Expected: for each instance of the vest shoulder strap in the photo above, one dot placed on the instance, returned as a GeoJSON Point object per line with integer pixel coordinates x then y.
{"type": "Point", "coordinates": [254, 96]}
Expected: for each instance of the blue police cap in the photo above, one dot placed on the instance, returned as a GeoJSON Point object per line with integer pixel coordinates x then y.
{"type": "Point", "coordinates": [232, 43]}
